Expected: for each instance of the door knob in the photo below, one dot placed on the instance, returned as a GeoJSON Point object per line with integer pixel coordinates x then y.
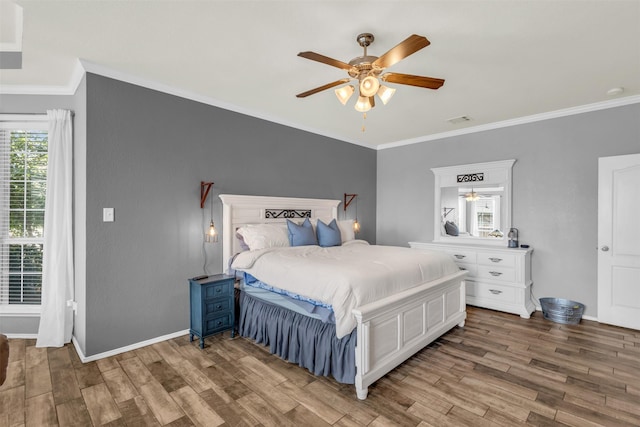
{"type": "Point", "coordinates": [605, 248]}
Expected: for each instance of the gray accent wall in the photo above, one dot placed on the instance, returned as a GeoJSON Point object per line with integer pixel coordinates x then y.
{"type": "Point", "coordinates": [146, 155]}
{"type": "Point", "coordinates": [555, 190]}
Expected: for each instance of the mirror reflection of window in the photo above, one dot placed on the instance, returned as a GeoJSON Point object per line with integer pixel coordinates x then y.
{"type": "Point", "coordinates": [480, 218]}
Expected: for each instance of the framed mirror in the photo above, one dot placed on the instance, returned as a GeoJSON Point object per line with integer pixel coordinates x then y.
{"type": "Point", "coordinates": [472, 203]}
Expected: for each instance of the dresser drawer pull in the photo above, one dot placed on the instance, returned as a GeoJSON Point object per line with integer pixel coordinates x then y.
{"type": "Point", "coordinates": [219, 323]}
{"type": "Point", "coordinates": [218, 290]}
{"type": "Point", "coordinates": [495, 259]}
{"type": "Point", "coordinates": [495, 291]}
{"type": "Point", "coordinates": [462, 268]}
{"type": "Point", "coordinates": [460, 256]}
{"type": "Point", "coordinates": [218, 307]}
{"type": "Point", "coordinates": [495, 273]}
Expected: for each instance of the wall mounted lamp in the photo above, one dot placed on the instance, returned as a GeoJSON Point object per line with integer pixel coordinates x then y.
{"type": "Point", "coordinates": [211, 235]}
{"type": "Point", "coordinates": [348, 198]}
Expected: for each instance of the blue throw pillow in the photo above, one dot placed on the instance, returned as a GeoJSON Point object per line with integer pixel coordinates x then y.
{"type": "Point", "coordinates": [301, 235]}
{"type": "Point", "coordinates": [328, 235]}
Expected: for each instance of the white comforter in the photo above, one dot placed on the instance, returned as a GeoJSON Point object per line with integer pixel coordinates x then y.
{"type": "Point", "coordinates": [345, 276]}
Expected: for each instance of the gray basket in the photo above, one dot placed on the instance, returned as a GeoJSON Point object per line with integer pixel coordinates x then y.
{"type": "Point", "coordinates": [562, 310]}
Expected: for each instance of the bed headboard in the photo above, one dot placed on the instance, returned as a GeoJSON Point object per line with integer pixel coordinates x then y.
{"type": "Point", "coordinates": [240, 210]}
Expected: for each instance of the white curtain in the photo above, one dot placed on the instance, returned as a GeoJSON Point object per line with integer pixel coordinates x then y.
{"type": "Point", "coordinates": [56, 319]}
{"type": "Point", "coordinates": [473, 215]}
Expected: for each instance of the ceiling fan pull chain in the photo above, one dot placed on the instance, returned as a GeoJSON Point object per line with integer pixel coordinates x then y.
{"type": "Point", "coordinates": [364, 117]}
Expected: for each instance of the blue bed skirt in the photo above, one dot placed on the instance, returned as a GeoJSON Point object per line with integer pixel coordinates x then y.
{"type": "Point", "coordinates": [299, 339]}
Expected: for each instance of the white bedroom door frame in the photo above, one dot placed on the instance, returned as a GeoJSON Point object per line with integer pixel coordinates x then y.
{"type": "Point", "coordinates": [619, 240]}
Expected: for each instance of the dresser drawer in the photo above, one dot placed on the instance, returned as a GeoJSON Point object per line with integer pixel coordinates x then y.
{"type": "Point", "coordinates": [497, 259]}
{"type": "Point", "coordinates": [217, 306]}
{"type": "Point", "coordinates": [472, 269]}
{"type": "Point", "coordinates": [485, 291]}
{"type": "Point", "coordinates": [217, 290]}
{"type": "Point", "coordinates": [462, 255]}
{"type": "Point", "coordinates": [218, 323]}
{"type": "Point", "coordinates": [503, 274]}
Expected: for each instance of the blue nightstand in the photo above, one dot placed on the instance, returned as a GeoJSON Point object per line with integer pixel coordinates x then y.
{"type": "Point", "coordinates": [212, 306]}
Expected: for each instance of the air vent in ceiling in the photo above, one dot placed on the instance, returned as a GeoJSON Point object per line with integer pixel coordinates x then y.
{"type": "Point", "coordinates": [460, 119]}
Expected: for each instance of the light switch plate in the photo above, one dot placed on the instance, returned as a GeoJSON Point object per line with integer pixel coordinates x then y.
{"type": "Point", "coordinates": [107, 215]}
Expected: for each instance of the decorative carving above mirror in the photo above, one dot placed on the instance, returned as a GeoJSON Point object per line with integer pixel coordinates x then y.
{"type": "Point", "coordinates": [472, 203]}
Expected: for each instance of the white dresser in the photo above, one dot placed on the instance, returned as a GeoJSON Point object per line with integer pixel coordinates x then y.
{"type": "Point", "coordinates": [499, 278]}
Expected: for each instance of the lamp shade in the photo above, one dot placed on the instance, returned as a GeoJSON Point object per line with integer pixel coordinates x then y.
{"type": "Point", "coordinates": [364, 104]}
{"type": "Point", "coordinates": [212, 233]}
{"type": "Point", "coordinates": [344, 93]}
{"type": "Point", "coordinates": [385, 93]}
{"type": "Point", "coordinates": [369, 86]}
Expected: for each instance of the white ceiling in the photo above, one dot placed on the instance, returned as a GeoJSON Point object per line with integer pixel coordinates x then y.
{"type": "Point", "coordinates": [502, 60]}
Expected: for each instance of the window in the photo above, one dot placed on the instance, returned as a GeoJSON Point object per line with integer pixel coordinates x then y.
{"type": "Point", "coordinates": [23, 173]}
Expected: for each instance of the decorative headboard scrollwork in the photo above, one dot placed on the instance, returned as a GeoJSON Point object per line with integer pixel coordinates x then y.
{"type": "Point", "coordinates": [287, 213]}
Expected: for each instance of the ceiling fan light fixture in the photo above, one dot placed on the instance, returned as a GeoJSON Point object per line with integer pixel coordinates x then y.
{"type": "Point", "coordinates": [385, 93]}
{"type": "Point", "coordinates": [364, 104]}
{"type": "Point", "coordinates": [344, 93]}
{"type": "Point", "coordinates": [472, 197]}
{"type": "Point", "coordinates": [369, 86]}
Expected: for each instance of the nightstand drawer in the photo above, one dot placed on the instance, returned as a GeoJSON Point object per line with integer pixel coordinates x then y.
{"type": "Point", "coordinates": [212, 300]}
{"type": "Point", "coordinates": [485, 291]}
{"type": "Point", "coordinates": [219, 289]}
{"type": "Point", "coordinates": [217, 306]}
{"type": "Point", "coordinates": [496, 273]}
{"type": "Point", "coordinates": [218, 323]}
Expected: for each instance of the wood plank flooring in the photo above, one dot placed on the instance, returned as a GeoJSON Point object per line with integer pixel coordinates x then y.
{"type": "Point", "coordinates": [497, 370]}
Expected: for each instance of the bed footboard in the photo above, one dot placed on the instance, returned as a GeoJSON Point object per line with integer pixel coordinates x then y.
{"type": "Point", "coordinates": [393, 329]}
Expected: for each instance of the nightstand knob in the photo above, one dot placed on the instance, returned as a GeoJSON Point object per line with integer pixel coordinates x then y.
{"type": "Point", "coordinates": [219, 306]}
{"type": "Point", "coordinates": [495, 259]}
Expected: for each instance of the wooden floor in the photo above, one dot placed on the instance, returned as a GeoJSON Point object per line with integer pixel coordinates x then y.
{"type": "Point", "coordinates": [497, 370]}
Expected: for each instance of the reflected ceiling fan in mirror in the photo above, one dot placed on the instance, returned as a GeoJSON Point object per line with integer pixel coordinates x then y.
{"type": "Point", "coordinates": [368, 71]}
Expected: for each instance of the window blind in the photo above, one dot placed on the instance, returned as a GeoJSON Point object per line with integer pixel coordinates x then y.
{"type": "Point", "coordinates": [23, 170]}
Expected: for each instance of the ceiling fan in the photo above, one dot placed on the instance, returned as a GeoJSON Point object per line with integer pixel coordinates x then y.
{"type": "Point", "coordinates": [368, 70]}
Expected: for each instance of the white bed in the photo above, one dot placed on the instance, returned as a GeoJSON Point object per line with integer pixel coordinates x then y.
{"type": "Point", "coordinates": [389, 330]}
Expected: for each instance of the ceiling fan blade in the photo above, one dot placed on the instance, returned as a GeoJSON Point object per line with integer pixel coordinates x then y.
{"type": "Point", "coordinates": [325, 60]}
{"type": "Point", "coordinates": [321, 88]}
{"type": "Point", "coordinates": [410, 45]}
{"type": "Point", "coordinates": [409, 79]}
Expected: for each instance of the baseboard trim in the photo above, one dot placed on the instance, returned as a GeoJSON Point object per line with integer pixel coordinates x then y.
{"type": "Point", "coordinates": [117, 351]}
{"type": "Point", "coordinates": [22, 336]}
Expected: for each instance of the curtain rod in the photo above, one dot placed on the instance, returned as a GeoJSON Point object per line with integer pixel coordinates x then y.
{"type": "Point", "coordinates": [25, 116]}
{"type": "Point", "coordinates": [32, 114]}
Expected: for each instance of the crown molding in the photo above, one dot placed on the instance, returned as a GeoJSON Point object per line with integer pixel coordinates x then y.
{"type": "Point", "coordinates": [82, 66]}
{"type": "Point", "coordinates": [627, 100]}
{"type": "Point", "coordinates": [69, 89]}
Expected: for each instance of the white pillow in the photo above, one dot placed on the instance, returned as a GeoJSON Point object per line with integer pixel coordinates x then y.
{"type": "Point", "coordinates": [346, 230]}
{"type": "Point", "coordinates": [263, 236]}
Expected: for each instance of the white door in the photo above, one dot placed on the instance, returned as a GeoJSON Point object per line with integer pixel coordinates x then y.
{"type": "Point", "coordinates": [619, 240]}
